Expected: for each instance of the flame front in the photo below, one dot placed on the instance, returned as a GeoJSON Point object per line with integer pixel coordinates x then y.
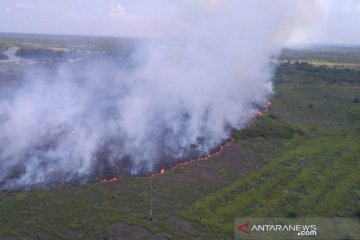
{"type": "Point", "coordinates": [221, 149]}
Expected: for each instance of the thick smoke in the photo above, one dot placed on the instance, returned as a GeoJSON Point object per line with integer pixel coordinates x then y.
{"type": "Point", "coordinates": [207, 72]}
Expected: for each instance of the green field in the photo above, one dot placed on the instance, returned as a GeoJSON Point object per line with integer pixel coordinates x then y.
{"type": "Point", "coordinates": [302, 158]}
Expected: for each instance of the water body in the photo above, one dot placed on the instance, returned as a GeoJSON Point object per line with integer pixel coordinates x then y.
{"type": "Point", "coordinates": [11, 53]}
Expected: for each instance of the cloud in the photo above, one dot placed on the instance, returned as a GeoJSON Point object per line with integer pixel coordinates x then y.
{"type": "Point", "coordinates": [24, 6]}
{"type": "Point", "coordinates": [350, 8]}
{"type": "Point", "coordinates": [117, 10]}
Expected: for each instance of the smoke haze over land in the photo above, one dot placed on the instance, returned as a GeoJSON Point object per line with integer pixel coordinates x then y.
{"type": "Point", "coordinates": [208, 71]}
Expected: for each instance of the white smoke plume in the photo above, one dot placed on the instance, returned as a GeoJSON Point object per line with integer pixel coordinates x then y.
{"type": "Point", "coordinates": [204, 74]}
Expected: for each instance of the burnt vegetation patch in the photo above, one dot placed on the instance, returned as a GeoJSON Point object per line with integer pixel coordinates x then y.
{"type": "Point", "coordinates": [301, 159]}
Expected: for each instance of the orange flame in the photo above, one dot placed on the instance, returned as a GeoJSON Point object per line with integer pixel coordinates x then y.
{"type": "Point", "coordinates": [105, 180]}
{"type": "Point", "coordinates": [221, 149]}
{"type": "Point", "coordinates": [203, 158]}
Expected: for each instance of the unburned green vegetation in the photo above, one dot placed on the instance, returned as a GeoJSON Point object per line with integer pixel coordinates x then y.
{"type": "Point", "coordinates": [299, 159]}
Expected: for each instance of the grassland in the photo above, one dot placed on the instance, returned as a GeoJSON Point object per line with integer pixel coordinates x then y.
{"type": "Point", "coordinates": [300, 159]}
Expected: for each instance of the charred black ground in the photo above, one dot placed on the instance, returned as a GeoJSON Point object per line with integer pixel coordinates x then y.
{"type": "Point", "coordinates": [300, 159]}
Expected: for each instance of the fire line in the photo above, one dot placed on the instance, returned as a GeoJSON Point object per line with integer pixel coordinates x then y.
{"type": "Point", "coordinates": [220, 150]}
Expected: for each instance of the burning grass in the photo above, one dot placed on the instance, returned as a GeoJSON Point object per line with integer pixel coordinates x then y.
{"type": "Point", "coordinates": [296, 161]}
{"type": "Point", "coordinates": [212, 154]}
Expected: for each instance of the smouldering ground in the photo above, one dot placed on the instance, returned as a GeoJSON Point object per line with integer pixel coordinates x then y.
{"type": "Point", "coordinates": [300, 159]}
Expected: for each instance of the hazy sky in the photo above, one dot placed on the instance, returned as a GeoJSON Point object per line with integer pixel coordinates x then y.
{"type": "Point", "coordinates": [132, 18]}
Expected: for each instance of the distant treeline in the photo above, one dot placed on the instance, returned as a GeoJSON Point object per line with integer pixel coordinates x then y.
{"type": "Point", "coordinates": [309, 73]}
{"type": "Point", "coordinates": [52, 46]}
{"type": "Point", "coordinates": [323, 54]}
{"type": "Point", "coordinates": [28, 52]}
